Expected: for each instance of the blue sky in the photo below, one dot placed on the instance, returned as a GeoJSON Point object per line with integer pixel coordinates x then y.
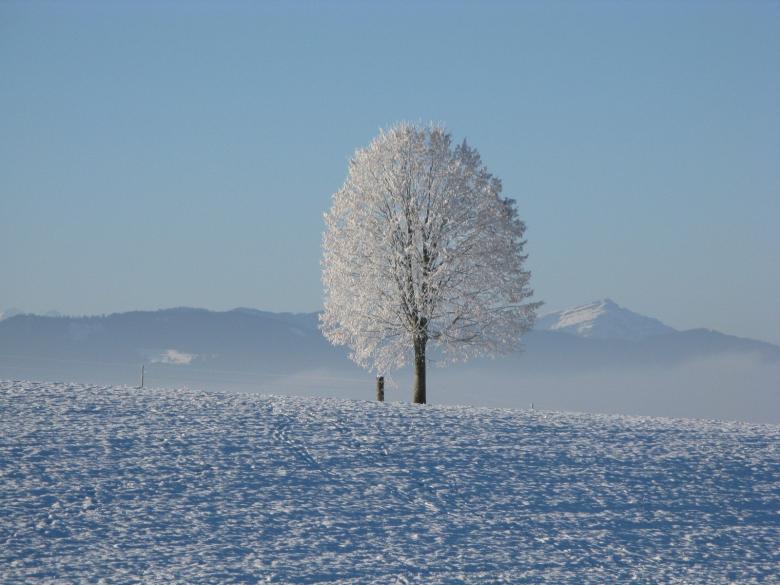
{"type": "Point", "coordinates": [168, 154]}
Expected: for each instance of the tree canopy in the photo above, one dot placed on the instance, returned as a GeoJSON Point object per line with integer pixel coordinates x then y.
{"type": "Point", "coordinates": [421, 248]}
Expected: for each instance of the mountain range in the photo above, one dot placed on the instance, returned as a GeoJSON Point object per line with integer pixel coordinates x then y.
{"type": "Point", "coordinates": [598, 356]}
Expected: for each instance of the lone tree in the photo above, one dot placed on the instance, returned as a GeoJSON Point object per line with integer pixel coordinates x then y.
{"type": "Point", "coordinates": [420, 248]}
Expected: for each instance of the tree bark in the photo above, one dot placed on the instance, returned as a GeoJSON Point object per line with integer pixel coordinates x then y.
{"type": "Point", "coordinates": [419, 371]}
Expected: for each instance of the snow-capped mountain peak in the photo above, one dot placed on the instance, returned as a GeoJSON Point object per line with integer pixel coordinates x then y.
{"type": "Point", "coordinates": [603, 319]}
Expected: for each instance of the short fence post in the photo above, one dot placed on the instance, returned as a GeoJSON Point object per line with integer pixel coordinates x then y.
{"type": "Point", "coordinates": [380, 388]}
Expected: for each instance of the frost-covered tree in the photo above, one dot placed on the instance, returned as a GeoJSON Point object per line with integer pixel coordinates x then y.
{"type": "Point", "coordinates": [420, 248]}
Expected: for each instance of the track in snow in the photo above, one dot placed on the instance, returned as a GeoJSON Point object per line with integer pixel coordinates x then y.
{"type": "Point", "coordinates": [161, 486]}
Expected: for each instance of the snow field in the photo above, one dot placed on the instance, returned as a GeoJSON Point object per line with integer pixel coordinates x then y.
{"type": "Point", "coordinates": [161, 486]}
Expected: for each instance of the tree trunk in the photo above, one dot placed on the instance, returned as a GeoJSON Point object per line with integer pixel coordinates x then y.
{"type": "Point", "coordinates": [419, 371]}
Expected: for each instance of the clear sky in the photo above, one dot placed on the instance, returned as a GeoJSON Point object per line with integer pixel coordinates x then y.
{"type": "Point", "coordinates": [168, 154]}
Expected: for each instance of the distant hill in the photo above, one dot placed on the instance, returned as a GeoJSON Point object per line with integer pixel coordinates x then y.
{"type": "Point", "coordinates": [592, 357]}
{"type": "Point", "coordinates": [238, 339]}
{"type": "Point", "coordinates": [8, 313]}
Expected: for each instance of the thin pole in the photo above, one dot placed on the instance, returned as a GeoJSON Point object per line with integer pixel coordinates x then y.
{"type": "Point", "coordinates": [142, 376]}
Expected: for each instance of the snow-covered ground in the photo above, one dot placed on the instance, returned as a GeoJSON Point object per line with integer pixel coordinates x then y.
{"type": "Point", "coordinates": [161, 486]}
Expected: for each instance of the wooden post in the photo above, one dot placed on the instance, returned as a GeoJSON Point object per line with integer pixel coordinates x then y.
{"type": "Point", "coordinates": [142, 377]}
{"type": "Point", "coordinates": [380, 388]}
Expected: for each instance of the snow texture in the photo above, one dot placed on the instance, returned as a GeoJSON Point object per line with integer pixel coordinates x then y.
{"type": "Point", "coordinates": [120, 485]}
{"type": "Point", "coordinates": [603, 319]}
{"type": "Point", "coordinates": [175, 357]}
